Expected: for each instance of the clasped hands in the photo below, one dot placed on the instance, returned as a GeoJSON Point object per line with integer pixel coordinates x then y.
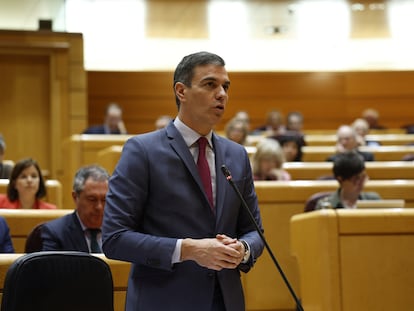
{"type": "Point", "coordinates": [221, 252]}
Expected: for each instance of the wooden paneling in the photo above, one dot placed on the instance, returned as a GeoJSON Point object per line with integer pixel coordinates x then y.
{"type": "Point", "coordinates": [278, 202]}
{"type": "Point", "coordinates": [326, 99]}
{"type": "Point", "coordinates": [25, 106]}
{"type": "Point", "coordinates": [41, 75]}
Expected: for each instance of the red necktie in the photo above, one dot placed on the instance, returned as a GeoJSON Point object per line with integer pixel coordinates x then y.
{"type": "Point", "coordinates": [204, 170]}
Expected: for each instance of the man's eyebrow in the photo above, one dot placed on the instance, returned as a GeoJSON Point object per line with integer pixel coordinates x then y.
{"type": "Point", "coordinates": [227, 82]}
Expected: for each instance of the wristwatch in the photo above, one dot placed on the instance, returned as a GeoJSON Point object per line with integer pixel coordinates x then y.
{"type": "Point", "coordinates": [246, 251]}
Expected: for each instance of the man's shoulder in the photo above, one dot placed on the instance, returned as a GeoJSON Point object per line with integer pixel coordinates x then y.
{"type": "Point", "coordinates": [61, 222]}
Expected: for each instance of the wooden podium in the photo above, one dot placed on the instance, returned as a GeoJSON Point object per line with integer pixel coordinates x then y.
{"type": "Point", "coordinates": [355, 260]}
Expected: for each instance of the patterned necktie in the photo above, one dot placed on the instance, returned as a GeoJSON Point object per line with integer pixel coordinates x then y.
{"type": "Point", "coordinates": [204, 170]}
{"type": "Point", "coordinates": [94, 241]}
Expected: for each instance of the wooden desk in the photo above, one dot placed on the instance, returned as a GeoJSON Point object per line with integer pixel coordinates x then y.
{"type": "Point", "coordinates": [383, 139]}
{"type": "Point", "coordinates": [375, 170]}
{"type": "Point", "coordinates": [119, 270]}
{"type": "Point", "coordinates": [382, 153]}
{"type": "Point", "coordinates": [355, 260]}
{"type": "Point", "coordinates": [53, 189]}
{"type": "Point", "coordinates": [278, 202]}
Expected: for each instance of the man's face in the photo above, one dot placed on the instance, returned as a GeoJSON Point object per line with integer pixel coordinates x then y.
{"type": "Point", "coordinates": [113, 118]}
{"type": "Point", "coordinates": [90, 202]}
{"type": "Point", "coordinates": [203, 103]}
{"type": "Point", "coordinates": [347, 139]}
{"type": "Point", "coordinates": [295, 123]}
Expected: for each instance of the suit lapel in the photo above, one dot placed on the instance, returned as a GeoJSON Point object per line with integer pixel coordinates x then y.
{"type": "Point", "coordinates": [76, 236]}
{"type": "Point", "coordinates": [180, 147]}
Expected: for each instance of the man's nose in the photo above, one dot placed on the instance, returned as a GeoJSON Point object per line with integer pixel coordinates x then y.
{"type": "Point", "coordinates": [221, 92]}
{"type": "Point", "coordinates": [100, 204]}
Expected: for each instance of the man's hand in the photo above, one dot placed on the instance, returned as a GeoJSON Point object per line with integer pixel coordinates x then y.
{"type": "Point", "coordinates": [217, 253]}
{"type": "Point", "coordinates": [121, 127]}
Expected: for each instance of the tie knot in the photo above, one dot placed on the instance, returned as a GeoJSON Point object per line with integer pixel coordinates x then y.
{"type": "Point", "coordinates": [202, 143]}
{"type": "Point", "coordinates": [94, 232]}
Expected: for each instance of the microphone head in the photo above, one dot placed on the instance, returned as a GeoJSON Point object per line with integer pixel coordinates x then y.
{"type": "Point", "coordinates": [226, 172]}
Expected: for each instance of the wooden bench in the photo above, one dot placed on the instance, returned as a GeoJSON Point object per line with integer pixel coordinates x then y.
{"type": "Point", "coordinates": [119, 270]}
{"type": "Point", "coordinates": [383, 139]}
{"type": "Point", "coordinates": [22, 221]}
{"type": "Point", "coordinates": [375, 169]}
{"type": "Point", "coordinates": [53, 189]}
{"type": "Point", "coordinates": [372, 132]}
{"type": "Point", "coordinates": [381, 153]}
{"type": "Point", "coordinates": [355, 260]}
{"type": "Point", "coordinates": [278, 202]}
{"type": "Point", "coordinates": [329, 139]}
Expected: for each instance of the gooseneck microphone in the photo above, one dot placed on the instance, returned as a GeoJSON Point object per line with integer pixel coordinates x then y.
{"type": "Point", "coordinates": [227, 174]}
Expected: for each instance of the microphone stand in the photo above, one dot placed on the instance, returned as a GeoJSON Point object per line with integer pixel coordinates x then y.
{"type": "Point", "coordinates": [227, 174]}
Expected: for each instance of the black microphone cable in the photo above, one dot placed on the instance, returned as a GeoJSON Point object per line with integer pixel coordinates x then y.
{"type": "Point", "coordinates": [227, 174]}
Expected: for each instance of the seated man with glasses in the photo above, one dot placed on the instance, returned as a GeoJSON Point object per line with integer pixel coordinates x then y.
{"type": "Point", "coordinates": [349, 171]}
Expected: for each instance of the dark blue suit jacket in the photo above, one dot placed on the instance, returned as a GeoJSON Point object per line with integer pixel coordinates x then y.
{"type": "Point", "coordinates": [6, 245]}
{"type": "Point", "coordinates": [64, 234]}
{"type": "Point", "coordinates": [156, 196]}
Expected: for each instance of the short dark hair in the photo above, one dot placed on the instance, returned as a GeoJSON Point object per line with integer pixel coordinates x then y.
{"type": "Point", "coordinates": [292, 137]}
{"type": "Point", "coordinates": [348, 164]}
{"type": "Point", "coordinates": [96, 172]}
{"type": "Point", "coordinates": [184, 72]}
{"type": "Point", "coordinates": [18, 168]}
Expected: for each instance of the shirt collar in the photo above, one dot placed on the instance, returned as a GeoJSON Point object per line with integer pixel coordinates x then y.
{"type": "Point", "coordinates": [190, 136]}
{"type": "Point", "coordinates": [81, 223]}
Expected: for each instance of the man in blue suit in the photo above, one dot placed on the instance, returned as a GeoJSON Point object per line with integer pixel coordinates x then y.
{"type": "Point", "coordinates": [80, 230]}
{"type": "Point", "coordinates": [188, 241]}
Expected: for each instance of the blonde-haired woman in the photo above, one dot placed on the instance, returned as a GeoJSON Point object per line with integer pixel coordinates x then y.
{"type": "Point", "coordinates": [268, 161]}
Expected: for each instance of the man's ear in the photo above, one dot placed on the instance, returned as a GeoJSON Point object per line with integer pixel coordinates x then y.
{"type": "Point", "coordinates": [74, 196]}
{"type": "Point", "coordinates": [180, 88]}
